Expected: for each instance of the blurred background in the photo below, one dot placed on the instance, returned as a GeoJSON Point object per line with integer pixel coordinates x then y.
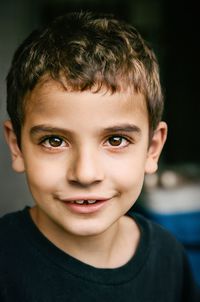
{"type": "Point", "coordinates": [172, 196]}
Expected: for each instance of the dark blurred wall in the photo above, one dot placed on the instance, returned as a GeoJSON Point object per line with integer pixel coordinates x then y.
{"type": "Point", "coordinates": [182, 78]}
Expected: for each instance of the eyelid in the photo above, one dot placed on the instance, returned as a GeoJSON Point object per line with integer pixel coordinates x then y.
{"type": "Point", "coordinates": [47, 137]}
{"type": "Point", "coordinates": [122, 136]}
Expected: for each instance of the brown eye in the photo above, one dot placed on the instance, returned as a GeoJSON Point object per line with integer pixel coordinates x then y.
{"type": "Point", "coordinates": [55, 141]}
{"type": "Point", "coordinates": [115, 141]}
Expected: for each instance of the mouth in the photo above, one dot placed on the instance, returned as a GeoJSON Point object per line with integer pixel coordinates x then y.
{"type": "Point", "coordinates": [84, 202]}
{"type": "Point", "coordinates": [86, 205]}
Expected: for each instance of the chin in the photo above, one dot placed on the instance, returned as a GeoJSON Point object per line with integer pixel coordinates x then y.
{"type": "Point", "coordinates": [87, 230]}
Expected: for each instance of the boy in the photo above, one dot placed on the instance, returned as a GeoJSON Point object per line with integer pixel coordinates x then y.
{"type": "Point", "coordinates": [85, 107]}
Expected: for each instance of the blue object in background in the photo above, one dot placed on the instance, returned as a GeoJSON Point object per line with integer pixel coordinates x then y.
{"type": "Point", "coordinates": [177, 210]}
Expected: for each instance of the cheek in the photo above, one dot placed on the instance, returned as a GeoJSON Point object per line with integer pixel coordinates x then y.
{"type": "Point", "coordinates": [43, 176]}
{"type": "Point", "coordinates": [128, 174]}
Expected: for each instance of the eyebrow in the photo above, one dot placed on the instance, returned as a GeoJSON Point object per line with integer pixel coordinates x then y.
{"type": "Point", "coordinates": [43, 128]}
{"type": "Point", "coordinates": [117, 128]}
{"type": "Point", "coordinates": [123, 128]}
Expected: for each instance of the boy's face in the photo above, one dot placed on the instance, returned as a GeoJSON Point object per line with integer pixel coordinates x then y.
{"type": "Point", "coordinates": [84, 147]}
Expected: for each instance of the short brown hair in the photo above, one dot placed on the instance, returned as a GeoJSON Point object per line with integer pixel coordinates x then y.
{"type": "Point", "coordinates": [88, 50]}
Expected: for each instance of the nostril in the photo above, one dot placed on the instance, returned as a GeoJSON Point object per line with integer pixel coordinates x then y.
{"type": "Point", "coordinates": [85, 167]}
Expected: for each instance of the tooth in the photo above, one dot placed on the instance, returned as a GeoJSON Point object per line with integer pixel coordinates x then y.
{"type": "Point", "coordinates": [91, 201]}
{"type": "Point", "coordinates": [79, 201]}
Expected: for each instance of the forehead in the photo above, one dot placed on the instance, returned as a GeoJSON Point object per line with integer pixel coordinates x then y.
{"type": "Point", "coordinates": [51, 98]}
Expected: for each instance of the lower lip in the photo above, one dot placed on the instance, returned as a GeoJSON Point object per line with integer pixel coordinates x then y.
{"type": "Point", "coordinates": [85, 208]}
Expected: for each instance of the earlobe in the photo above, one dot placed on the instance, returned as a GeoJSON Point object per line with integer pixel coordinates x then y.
{"type": "Point", "coordinates": [16, 154]}
{"type": "Point", "coordinates": [155, 148]}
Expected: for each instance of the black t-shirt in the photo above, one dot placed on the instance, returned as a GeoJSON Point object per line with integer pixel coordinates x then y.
{"type": "Point", "coordinates": [34, 269]}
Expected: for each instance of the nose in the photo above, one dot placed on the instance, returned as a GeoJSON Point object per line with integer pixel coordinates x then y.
{"type": "Point", "coordinates": [85, 168]}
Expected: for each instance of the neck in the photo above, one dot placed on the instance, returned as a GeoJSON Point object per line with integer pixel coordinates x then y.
{"type": "Point", "coordinates": [110, 249]}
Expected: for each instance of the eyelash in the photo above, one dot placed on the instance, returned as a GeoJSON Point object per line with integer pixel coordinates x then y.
{"type": "Point", "coordinates": [119, 138]}
{"type": "Point", "coordinates": [45, 141]}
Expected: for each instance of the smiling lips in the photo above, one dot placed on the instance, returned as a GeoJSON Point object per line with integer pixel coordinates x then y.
{"type": "Point", "coordinates": [85, 206]}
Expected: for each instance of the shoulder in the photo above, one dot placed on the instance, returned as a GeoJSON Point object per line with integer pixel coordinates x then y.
{"type": "Point", "coordinates": [156, 234]}
{"type": "Point", "coordinates": [166, 259]}
{"type": "Point", "coordinates": [11, 229]}
{"type": "Point", "coordinates": [8, 221]}
{"type": "Point", "coordinates": [162, 246]}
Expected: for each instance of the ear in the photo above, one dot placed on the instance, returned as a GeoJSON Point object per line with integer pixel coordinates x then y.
{"type": "Point", "coordinates": [155, 148]}
{"type": "Point", "coordinates": [16, 154]}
